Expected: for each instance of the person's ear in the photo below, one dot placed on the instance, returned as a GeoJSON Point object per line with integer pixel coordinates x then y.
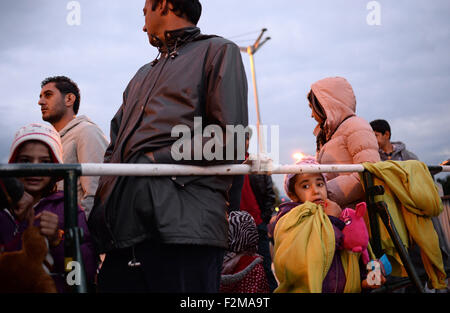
{"type": "Point", "coordinates": [293, 197]}
{"type": "Point", "coordinates": [388, 134]}
{"type": "Point", "coordinates": [70, 99]}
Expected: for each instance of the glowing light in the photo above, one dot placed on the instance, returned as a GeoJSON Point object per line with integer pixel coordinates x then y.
{"type": "Point", "coordinates": [298, 156]}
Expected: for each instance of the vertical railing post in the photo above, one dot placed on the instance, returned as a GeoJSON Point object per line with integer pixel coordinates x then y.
{"type": "Point", "coordinates": [380, 209]}
{"type": "Point", "coordinates": [73, 236]}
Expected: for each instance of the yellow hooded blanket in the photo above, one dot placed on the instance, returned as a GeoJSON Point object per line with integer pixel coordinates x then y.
{"type": "Point", "coordinates": [304, 250]}
{"type": "Point", "coordinates": [412, 199]}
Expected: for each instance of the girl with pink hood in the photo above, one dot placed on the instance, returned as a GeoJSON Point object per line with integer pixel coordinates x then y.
{"type": "Point", "coordinates": [341, 137]}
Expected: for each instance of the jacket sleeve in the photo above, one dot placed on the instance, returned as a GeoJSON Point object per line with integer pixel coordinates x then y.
{"type": "Point", "coordinates": [268, 199]}
{"type": "Point", "coordinates": [114, 130]}
{"type": "Point", "coordinates": [226, 99]}
{"type": "Point", "coordinates": [225, 102]}
{"type": "Point", "coordinates": [363, 147]}
{"type": "Point", "coordinates": [91, 148]}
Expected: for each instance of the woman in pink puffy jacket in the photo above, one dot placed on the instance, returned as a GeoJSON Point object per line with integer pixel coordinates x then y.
{"type": "Point", "coordinates": [341, 136]}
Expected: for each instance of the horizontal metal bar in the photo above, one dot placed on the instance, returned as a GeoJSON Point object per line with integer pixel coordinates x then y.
{"type": "Point", "coordinates": [101, 169]}
{"type": "Point", "coordinates": [187, 170]}
{"type": "Point", "coordinates": [43, 169]}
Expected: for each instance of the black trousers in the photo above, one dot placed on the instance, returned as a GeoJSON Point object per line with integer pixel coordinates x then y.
{"type": "Point", "coordinates": [164, 268]}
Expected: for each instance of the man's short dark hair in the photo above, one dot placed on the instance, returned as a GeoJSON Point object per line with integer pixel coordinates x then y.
{"type": "Point", "coordinates": [188, 9]}
{"type": "Point", "coordinates": [381, 126]}
{"type": "Point", "coordinates": [65, 86]}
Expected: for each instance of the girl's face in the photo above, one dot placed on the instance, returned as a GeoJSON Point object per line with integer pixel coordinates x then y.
{"type": "Point", "coordinates": [309, 187]}
{"type": "Point", "coordinates": [34, 152]}
{"type": "Point", "coordinates": [314, 114]}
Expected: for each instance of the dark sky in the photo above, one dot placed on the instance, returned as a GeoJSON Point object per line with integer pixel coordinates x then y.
{"type": "Point", "coordinates": [400, 70]}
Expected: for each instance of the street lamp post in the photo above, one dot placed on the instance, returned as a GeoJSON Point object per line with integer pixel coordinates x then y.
{"type": "Point", "coordinates": [251, 50]}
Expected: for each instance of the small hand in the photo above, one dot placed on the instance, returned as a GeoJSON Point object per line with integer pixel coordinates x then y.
{"type": "Point", "coordinates": [332, 208]}
{"type": "Point", "coordinates": [48, 225]}
{"type": "Point", "coordinates": [22, 210]}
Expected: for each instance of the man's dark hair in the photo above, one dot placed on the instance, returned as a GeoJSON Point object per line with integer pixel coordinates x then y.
{"type": "Point", "coordinates": [188, 9]}
{"type": "Point", "coordinates": [381, 126]}
{"type": "Point", "coordinates": [65, 86]}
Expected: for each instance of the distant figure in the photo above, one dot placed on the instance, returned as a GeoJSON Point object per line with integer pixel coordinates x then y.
{"type": "Point", "coordinates": [242, 269]}
{"type": "Point", "coordinates": [82, 140]}
{"type": "Point", "coordinates": [388, 150]}
{"type": "Point", "coordinates": [342, 137]}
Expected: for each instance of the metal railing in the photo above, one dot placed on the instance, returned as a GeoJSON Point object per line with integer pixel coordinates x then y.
{"type": "Point", "coordinates": [71, 172]}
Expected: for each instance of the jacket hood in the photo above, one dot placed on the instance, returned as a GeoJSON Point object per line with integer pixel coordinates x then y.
{"type": "Point", "coordinates": [336, 96]}
{"type": "Point", "coordinates": [399, 146]}
{"type": "Point", "coordinates": [73, 123]}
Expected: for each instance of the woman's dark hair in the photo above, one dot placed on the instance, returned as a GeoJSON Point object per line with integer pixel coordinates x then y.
{"type": "Point", "coordinates": [317, 107]}
{"type": "Point", "coordinates": [65, 86]}
{"type": "Point", "coordinates": [188, 9]}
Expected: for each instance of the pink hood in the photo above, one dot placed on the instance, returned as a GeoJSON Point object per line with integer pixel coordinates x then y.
{"type": "Point", "coordinates": [338, 101]}
{"type": "Point", "coordinates": [349, 139]}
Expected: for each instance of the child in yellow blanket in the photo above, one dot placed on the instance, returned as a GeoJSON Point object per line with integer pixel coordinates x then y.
{"type": "Point", "coordinates": [308, 234]}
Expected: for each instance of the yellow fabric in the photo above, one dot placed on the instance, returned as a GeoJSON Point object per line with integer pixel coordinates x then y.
{"type": "Point", "coordinates": [351, 269]}
{"type": "Point", "coordinates": [412, 199]}
{"type": "Point", "coordinates": [304, 250]}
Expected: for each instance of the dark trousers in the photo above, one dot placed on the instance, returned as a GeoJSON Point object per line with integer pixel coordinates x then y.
{"type": "Point", "coordinates": [164, 268]}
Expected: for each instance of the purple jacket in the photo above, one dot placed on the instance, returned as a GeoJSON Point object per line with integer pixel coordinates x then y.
{"type": "Point", "coordinates": [11, 237]}
{"type": "Point", "coordinates": [334, 281]}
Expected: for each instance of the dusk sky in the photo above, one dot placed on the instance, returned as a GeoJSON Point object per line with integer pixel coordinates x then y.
{"type": "Point", "coordinates": [399, 69]}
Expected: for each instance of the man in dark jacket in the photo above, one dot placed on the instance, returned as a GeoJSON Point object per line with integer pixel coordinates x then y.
{"type": "Point", "coordinates": [168, 234]}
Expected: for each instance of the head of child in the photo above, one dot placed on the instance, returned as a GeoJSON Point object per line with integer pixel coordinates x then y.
{"type": "Point", "coordinates": [37, 143]}
{"type": "Point", "coordinates": [307, 186]}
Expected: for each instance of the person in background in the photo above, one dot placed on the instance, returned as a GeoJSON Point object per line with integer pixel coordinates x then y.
{"type": "Point", "coordinates": [342, 137]}
{"type": "Point", "coordinates": [396, 151]}
{"type": "Point", "coordinates": [388, 150]}
{"type": "Point", "coordinates": [38, 143]}
{"type": "Point", "coordinates": [242, 270]}
{"type": "Point", "coordinates": [82, 140]}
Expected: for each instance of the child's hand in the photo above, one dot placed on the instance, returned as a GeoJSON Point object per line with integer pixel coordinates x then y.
{"type": "Point", "coordinates": [22, 209]}
{"type": "Point", "coordinates": [48, 225]}
{"type": "Point", "coordinates": [332, 208]}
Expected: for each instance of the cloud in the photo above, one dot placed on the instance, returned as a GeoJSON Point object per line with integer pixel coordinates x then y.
{"type": "Point", "coordinates": [400, 71]}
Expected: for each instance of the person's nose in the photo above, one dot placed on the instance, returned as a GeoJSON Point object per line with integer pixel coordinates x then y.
{"type": "Point", "coordinates": [144, 29]}
{"type": "Point", "coordinates": [315, 190]}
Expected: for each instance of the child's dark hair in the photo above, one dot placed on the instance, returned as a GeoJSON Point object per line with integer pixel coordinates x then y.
{"type": "Point", "coordinates": [381, 126]}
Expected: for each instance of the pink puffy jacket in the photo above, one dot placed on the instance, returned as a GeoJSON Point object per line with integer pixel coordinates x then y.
{"type": "Point", "coordinates": [349, 139]}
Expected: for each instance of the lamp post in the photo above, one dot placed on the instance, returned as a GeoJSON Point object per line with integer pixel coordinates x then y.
{"type": "Point", "coordinates": [251, 50]}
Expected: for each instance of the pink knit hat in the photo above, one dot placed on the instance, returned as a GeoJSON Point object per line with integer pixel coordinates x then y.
{"type": "Point", "coordinates": [307, 160]}
{"type": "Point", "coordinates": [39, 132]}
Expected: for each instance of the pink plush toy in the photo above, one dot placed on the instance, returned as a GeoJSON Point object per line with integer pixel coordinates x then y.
{"type": "Point", "coordinates": [356, 237]}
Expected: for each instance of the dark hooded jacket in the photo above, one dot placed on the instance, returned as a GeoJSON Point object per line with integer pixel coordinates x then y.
{"type": "Point", "coordinates": [195, 76]}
